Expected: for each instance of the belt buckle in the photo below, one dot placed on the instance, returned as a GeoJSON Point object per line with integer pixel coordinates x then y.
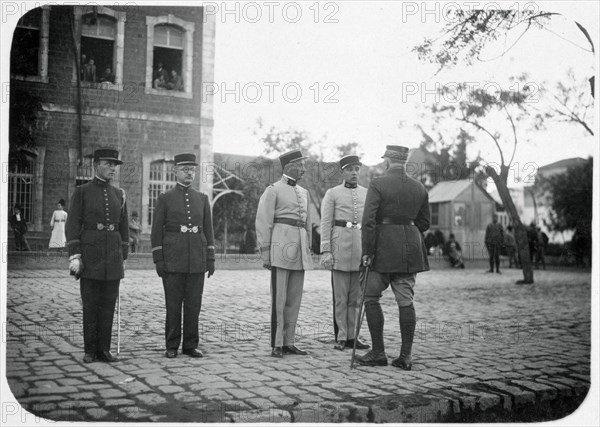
{"type": "Point", "coordinates": [183, 228]}
{"type": "Point", "coordinates": [358, 226]}
{"type": "Point", "coordinates": [111, 227]}
{"type": "Point", "coordinates": [100, 226]}
{"type": "Point", "coordinates": [194, 229]}
{"type": "Point", "coordinates": [348, 224]}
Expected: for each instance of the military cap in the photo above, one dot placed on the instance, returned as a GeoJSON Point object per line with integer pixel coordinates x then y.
{"type": "Point", "coordinates": [291, 156]}
{"type": "Point", "coordinates": [107, 154]}
{"type": "Point", "coordinates": [396, 152]}
{"type": "Point", "coordinates": [350, 159]}
{"type": "Point", "coordinates": [185, 159]}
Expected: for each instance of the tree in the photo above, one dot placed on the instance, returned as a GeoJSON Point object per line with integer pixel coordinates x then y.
{"type": "Point", "coordinates": [349, 148]}
{"type": "Point", "coordinates": [492, 115]}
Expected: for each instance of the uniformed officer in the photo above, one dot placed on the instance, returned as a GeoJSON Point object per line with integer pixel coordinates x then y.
{"type": "Point", "coordinates": [341, 216]}
{"type": "Point", "coordinates": [396, 215]}
{"type": "Point", "coordinates": [183, 250]}
{"type": "Point", "coordinates": [98, 239]}
{"type": "Point", "coordinates": [284, 235]}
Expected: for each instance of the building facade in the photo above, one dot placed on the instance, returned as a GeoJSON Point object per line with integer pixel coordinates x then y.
{"type": "Point", "coordinates": [125, 77]}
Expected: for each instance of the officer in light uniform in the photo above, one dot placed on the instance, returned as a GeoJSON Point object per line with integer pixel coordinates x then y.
{"type": "Point", "coordinates": [341, 215]}
{"type": "Point", "coordinates": [183, 250]}
{"type": "Point", "coordinates": [284, 235]}
{"type": "Point", "coordinates": [97, 232]}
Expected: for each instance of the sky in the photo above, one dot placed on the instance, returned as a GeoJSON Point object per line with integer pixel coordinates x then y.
{"type": "Point", "coordinates": [358, 79]}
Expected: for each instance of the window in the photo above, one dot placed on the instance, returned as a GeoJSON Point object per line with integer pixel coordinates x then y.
{"type": "Point", "coordinates": [161, 179]}
{"type": "Point", "coordinates": [20, 189]}
{"type": "Point", "coordinates": [101, 46]}
{"type": "Point", "coordinates": [435, 214]}
{"type": "Point", "coordinates": [85, 172]}
{"type": "Point", "coordinates": [169, 56]}
{"type": "Point", "coordinates": [29, 51]}
{"type": "Point", "coordinates": [461, 215]}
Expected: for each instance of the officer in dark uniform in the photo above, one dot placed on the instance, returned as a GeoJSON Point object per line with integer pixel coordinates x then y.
{"type": "Point", "coordinates": [395, 216]}
{"type": "Point", "coordinates": [98, 238]}
{"type": "Point", "coordinates": [183, 250]}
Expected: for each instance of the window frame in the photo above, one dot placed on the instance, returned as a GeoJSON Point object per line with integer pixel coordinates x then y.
{"type": "Point", "coordinates": [165, 184]}
{"type": "Point", "coordinates": [44, 30]}
{"type": "Point", "coordinates": [118, 50]}
{"type": "Point", "coordinates": [187, 64]}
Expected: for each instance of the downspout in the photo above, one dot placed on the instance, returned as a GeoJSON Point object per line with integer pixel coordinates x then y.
{"type": "Point", "coordinates": [76, 49]}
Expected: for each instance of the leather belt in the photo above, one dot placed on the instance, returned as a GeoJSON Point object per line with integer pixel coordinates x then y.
{"type": "Point", "coordinates": [347, 224]}
{"type": "Point", "coordinates": [395, 220]}
{"type": "Point", "coordinates": [100, 227]}
{"type": "Point", "coordinates": [289, 221]}
{"type": "Point", "coordinates": [183, 228]}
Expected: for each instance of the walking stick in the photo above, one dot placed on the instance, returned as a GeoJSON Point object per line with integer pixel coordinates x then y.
{"type": "Point", "coordinates": [118, 322]}
{"type": "Point", "coordinates": [361, 314]}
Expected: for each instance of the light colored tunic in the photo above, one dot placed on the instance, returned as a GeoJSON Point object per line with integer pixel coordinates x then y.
{"type": "Point", "coordinates": [345, 204]}
{"type": "Point", "coordinates": [58, 221]}
{"type": "Point", "coordinates": [288, 246]}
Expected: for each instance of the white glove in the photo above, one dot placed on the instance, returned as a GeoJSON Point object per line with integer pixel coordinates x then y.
{"type": "Point", "coordinates": [327, 260]}
{"type": "Point", "coordinates": [76, 265]}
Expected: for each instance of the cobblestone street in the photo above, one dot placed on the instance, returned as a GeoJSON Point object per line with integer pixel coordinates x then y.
{"type": "Point", "coordinates": [483, 346]}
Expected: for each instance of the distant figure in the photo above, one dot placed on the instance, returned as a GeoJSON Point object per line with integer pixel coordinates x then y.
{"type": "Point", "coordinates": [135, 228]}
{"type": "Point", "coordinates": [82, 66]}
{"type": "Point", "coordinates": [542, 242]}
{"type": "Point", "coordinates": [250, 241]}
{"type": "Point", "coordinates": [532, 241]}
{"type": "Point", "coordinates": [160, 71]}
{"type": "Point", "coordinates": [511, 247]}
{"type": "Point", "coordinates": [316, 240]}
{"type": "Point", "coordinates": [89, 71]}
{"type": "Point", "coordinates": [430, 242]}
{"type": "Point", "coordinates": [494, 237]}
{"type": "Point", "coordinates": [107, 76]}
{"type": "Point", "coordinates": [58, 240]}
{"type": "Point", "coordinates": [454, 252]}
{"type": "Point", "coordinates": [160, 82]}
{"type": "Point", "coordinates": [175, 82]}
{"type": "Point", "coordinates": [19, 227]}
{"type": "Point", "coordinates": [440, 241]}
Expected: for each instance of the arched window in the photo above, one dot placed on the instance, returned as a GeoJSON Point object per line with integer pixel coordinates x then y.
{"type": "Point", "coordinates": [29, 51]}
{"type": "Point", "coordinates": [169, 56]}
{"type": "Point", "coordinates": [161, 179]}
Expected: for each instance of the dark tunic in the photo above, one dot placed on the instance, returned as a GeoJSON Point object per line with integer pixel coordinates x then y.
{"type": "Point", "coordinates": [102, 252]}
{"type": "Point", "coordinates": [182, 252]}
{"type": "Point", "coordinates": [397, 248]}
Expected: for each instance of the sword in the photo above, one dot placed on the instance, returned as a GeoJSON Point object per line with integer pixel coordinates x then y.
{"type": "Point", "coordinates": [361, 314]}
{"type": "Point", "coordinates": [118, 322]}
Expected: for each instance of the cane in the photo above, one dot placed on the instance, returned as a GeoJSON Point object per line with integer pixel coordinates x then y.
{"type": "Point", "coordinates": [118, 322]}
{"type": "Point", "coordinates": [361, 314]}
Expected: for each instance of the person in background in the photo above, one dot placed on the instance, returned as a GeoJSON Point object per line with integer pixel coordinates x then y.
{"type": "Point", "coordinates": [58, 239]}
{"type": "Point", "coordinates": [494, 238]}
{"type": "Point", "coordinates": [542, 242]}
{"type": "Point", "coordinates": [175, 82]}
{"type": "Point", "coordinates": [107, 76]}
{"type": "Point", "coordinates": [454, 252]}
{"type": "Point", "coordinates": [135, 228]}
{"type": "Point", "coordinates": [19, 227]}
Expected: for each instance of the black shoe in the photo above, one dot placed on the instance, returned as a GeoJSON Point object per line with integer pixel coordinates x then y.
{"type": "Point", "coordinates": [340, 345]}
{"type": "Point", "coordinates": [372, 359]}
{"type": "Point", "coordinates": [89, 357]}
{"type": "Point", "coordinates": [404, 363]}
{"type": "Point", "coordinates": [106, 356]}
{"type": "Point", "coordinates": [277, 352]}
{"type": "Point", "coordinates": [498, 271]}
{"type": "Point", "coordinates": [489, 271]}
{"type": "Point", "coordinates": [359, 345]}
{"type": "Point", "coordinates": [292, 349]}
{"type": "Point", "coordinates": [194, 352]}
{"type": "Point", "coordinates": [171, 354]}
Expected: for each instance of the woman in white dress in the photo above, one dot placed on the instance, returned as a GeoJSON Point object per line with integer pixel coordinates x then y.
{"type": "Point", "coordinates": [58, 239]}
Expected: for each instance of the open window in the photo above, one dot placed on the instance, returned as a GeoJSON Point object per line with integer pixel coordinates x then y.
{"type": "Point", "coordinates": [169, 56]}
{"type": "Point", "coordinates": [29, 51]}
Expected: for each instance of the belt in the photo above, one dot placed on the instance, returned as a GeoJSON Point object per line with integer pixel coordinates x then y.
{"type": "Point", "coordinates": [183, 228]}
{"type": "Point", "coordinates": [347, 224]}
{"type": "Point", "coordinates": [289, 221]}
{"type": "Point", "coordinates": [101, 227]}
{"type": "Point", "coordinates": [59, 220]}
{"type": "Point", "coordinates": [395, 220]}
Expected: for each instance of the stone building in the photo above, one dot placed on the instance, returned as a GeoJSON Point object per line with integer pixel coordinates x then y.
{"type": "Point", "coordinates": [96, 73]}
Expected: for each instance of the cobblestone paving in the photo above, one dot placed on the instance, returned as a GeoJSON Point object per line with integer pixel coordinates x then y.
{"type": "Point", "coordinates": [482, 344]}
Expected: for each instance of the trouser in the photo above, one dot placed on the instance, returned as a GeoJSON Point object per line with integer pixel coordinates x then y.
{"type": "Point", "coordinates": [21, 243]}
{"type": "Point", "coordinates": [512, 256]}
{"type": "Point", "coordinates": [99, 298]}
{"type": "Point", "coordinates": [182, 290]}
{"type": "Point", "coordinates": [286, 296]}
{"type": "Point", "coordinates": [494, 254]}
{"type": "Point", "coordinates": [346, 292]}
{"type": "Point", "coordinates": [403, 287]}
{"type": "Point", "coordinates": [540, 256]}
